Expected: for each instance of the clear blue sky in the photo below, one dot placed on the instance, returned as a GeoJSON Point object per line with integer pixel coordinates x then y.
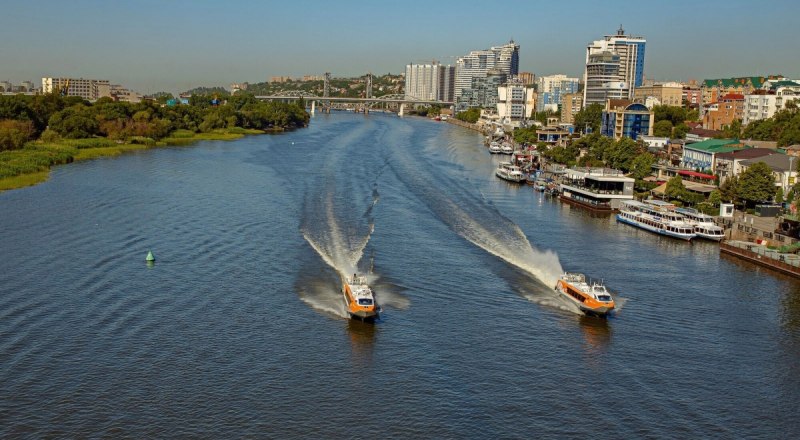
{"type": "Point", "coordinates": [174, 45]}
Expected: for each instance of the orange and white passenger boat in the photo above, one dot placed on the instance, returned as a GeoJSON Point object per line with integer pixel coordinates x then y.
{"type": "Point", "coordinates": [358, 298]}
{"type": "Point", "coordinates": [592, 299]}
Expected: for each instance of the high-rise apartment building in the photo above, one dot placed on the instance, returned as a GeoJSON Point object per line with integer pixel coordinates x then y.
{"type": "Point", "coordinates": [614, 67]}
{"type": "Point", "coordinates": [571, 103]}
{"type": "Point", "coordinates": [515, 101]}
{"type": "Point", "coordinates": [527, 78]}
{"type": "Point", "coordinates": [89, 89]}
{"type": "Point", "coordinates": [473, 68]}
{"type": "Point", "coordinates": [551, 88]}
{"type": "Point", "coordinates": [431, 82]}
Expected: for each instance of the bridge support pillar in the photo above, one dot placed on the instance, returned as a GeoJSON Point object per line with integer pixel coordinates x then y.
{"type": "Point", "coordinates": [366, 109]}
{"type": "Point", "coordinates": [402, 109]}
{"type": "Point", "coordinates": [313, 107]}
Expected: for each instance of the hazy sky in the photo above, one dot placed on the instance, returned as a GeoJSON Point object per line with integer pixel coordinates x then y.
{"type": "Point", "coordinates": [174, 45]}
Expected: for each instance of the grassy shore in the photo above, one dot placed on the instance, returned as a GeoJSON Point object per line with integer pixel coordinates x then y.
{"type": "Point", "coordinates": [31, 165]}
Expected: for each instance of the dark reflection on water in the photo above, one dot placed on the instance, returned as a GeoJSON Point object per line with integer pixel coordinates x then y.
{"type": "Point", "coordinates": [597, 333]}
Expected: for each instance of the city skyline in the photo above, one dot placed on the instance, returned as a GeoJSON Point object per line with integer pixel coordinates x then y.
{"type": "Point", "coordinates": [153, 46]}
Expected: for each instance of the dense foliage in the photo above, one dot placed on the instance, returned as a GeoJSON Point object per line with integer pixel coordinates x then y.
{"type": "Point", "coordinates": [756, 184]}
{"type": "Point", "coordinates": [470, 115]}
{"type": "Point", "coordinates": [24, 118]}
{"type": "Point", "coordinates": [590, 117]}
{"type": "Point", "coordinates": [604, 151]}
{"type": "Point", "coordinates": [784, 127]}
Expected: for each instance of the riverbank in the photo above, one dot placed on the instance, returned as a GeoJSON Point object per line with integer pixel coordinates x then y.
{"type": "Point", "coordinates": [31, 165]}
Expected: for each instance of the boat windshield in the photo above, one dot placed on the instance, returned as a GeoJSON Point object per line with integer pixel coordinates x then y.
{"type": "Point", "coordinates": [604, 298]}
{"type": "Point", "coordinates": [365, 301]}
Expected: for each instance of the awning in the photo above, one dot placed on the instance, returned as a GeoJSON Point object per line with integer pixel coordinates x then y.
{"type": "Point", "coordinates": [696, 174]}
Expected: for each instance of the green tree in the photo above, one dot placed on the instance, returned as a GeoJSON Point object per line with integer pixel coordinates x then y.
{"type": "Point", "coordinates": [14, 134]}
{"type": "Point", "coordinates": [729, 190]}
{"type": "Point", "coordinates": [732, 131]}
{"type": "Point", "coordinates": [622, 153]}
{"type": "Point", "coordinates": [715, 198]}
{"type": "Point", "coordinates": [680, 130]}
{"type": "Point", "coordinates": [662, 128]}
{"type": "Point", "coordinates": [642, 166]}
{"type": "Point", "coordinates": [591, 117]}
{"type": "Point", "coordinates": [470, 115]}
{"type": "Point", "coordinates": [756, 184]}
{"type": "Point", "coordinates": [675, 188]}
{"type": "Point", "coordinates": [779, 195]}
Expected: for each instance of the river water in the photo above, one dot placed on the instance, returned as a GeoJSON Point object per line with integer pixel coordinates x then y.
{"type": "Point", "coordinates": [239, 328]}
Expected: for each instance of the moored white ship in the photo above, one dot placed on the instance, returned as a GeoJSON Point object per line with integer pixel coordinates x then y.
{"type": "Point", "coordinates": [704, 225]}
{"type": "Point", "coordinates": [510, 172]}
{"type": "Point", "coordinates": [655, 217]}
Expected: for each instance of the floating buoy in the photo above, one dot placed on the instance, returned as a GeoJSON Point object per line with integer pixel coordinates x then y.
{"type": "Point", "coordinates": [150, 258]}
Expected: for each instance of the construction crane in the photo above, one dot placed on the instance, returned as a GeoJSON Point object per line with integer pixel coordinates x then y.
{"type": "Point", "coordinates": [64, 89]}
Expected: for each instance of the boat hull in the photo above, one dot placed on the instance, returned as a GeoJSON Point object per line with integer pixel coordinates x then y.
{"type": "Point", "coordinates": [589, 306]}
{"type": "Point", "coordinates": [356, 311]}
{"type": "Point", "coordinates": [686, 237]}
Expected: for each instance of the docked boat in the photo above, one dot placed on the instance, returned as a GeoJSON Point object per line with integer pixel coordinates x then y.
{"type": "Point", "coordinates": [656, 217]}
{"type": "Point", "coordinates": [494, 147]}
{"type": "Point", "coordinates": [591, 298]}
{"type": "Point", "coordinates": [704, 226]}
{"type": "Point", "coordinates": [506, 148]}
{"type": "Point", "coordinates": [510, 172]}
{"type": "Point", "coordinates": [358, 297]}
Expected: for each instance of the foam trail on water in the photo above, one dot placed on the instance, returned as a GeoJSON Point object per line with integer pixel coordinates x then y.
{"type": "Point", "coordinates": [339, 249]}
{"type": "Point", "coordinates": [505, 240]}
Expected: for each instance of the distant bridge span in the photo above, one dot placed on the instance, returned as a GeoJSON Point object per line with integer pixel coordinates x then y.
{"type": "Point", "coordinates": [397, 99]}
{"type": "Point", "coordinates": [367, 102]}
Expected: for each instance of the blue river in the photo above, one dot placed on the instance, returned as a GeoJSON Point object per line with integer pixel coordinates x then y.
{"type": "Point", "coordinates": [239, 328]}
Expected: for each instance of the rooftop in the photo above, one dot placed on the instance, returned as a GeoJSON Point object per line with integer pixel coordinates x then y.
{"type": "Point", "coordinates": [715, 145]}
{"type": "Point", "coordinates": [778, 162]}
{"type": "Point", "coordinates": [747, 153]}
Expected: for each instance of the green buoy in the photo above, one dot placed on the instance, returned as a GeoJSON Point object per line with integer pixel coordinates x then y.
{"type": "Point", "coordinates": [150, 258]}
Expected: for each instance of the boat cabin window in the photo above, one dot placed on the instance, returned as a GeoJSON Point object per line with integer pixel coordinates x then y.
{"type": "Point", "coordinates": [604, 298]}
{"type": "Point", "coordinates": [365, 301]}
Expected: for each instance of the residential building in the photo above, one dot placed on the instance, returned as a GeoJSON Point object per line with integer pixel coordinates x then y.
{"type": "Point", "coordinates": [515, 102]}
{"type": "Point", "coordinates": [703, 155]}
{"type": "Point", "coordinates": [431, 82]}
{"type": "Point", "coordinates": [784, 168]}
{"type": "Point", "coordinates": [712, 90]}
{"type": "Point", "coordinates": [527, 78]}
{"type": "Point", "coordinates": [623, 118]}
{"type": "Point", "coordinates": [280, 79]}
{"type": "Point", "coordinates": [6, 86]}
{"type": "Point", "coordinates": [700, 134]}
{"type": "Point", "coordinates": [670, 93]}
{"type": "Point", "coordinates": [27, 86]}
{"type": "Point", "coordinates": [614, 67]}
{"type": "Point", "coordinates": [550, 88]}
{"type": "Point", "coordinates": [236, 87]}
{"type": "Point", "coordinates": [771, 98]}
{"type": "Point", "coordinates": [691, 95]}
{"type": "Point", "coordinates": [119, 93]}
{"type": "Point", "coordinates": [729, 164]}
{"type": "Point", "coordinates": [89, 89]}
{"type": "Point", "coordinates": [720, 114]}
{"type": "Point", "coordinates": [553, 135]}
{"type": "Point", "coordinates": [471, 71]}
{"type": "Point", "coordinates": [571, 103]}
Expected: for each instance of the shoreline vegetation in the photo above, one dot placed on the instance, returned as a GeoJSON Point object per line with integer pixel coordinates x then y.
{"type": "Point", "coordinates": [39, 132]}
